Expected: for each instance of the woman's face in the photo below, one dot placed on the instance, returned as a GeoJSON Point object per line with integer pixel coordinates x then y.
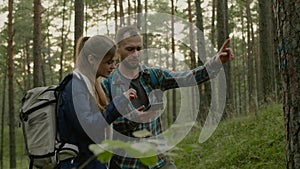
{"type": "Point", "coordinates": [106, 67]}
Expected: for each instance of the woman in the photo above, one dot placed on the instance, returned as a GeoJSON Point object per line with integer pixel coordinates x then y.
{"type": "Point", "coordinates": [84, 111]}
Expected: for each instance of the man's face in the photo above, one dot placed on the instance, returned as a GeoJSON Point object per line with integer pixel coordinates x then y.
{"type": "Point", "coordinates": [129, 50]}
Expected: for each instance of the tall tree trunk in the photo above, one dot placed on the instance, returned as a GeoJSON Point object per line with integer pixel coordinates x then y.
{"type": "Point", "coordinates": [116, 16]}
{"type": "Point", "coordinates": [128, 12]}
{"type": "Point", "coordinates": [203, 88]}
{"type": "Point", "coordinates": [200, 33]}
{"type": "Point", "coordinates": [213, 30]}
{"type": "Point", "coordinates": [86, 19]}
{"type": "Point", "coordinates": [250, 73]}
{"type": "Point", "coordinates": [2, 117]}
{"type": "Point", "coordinates": [135, 11]}
{"type": "Point", "coordinates": [145, 35]}
{"type": "Point", "coordinates": [233, 79]}
{"type": "Point", "coordinates": [43, 69]}
{"type": "Point", "coordinates": [11, 111]}
{"type": "Point", "coordinates": [244, 79]}
{"type": "Point", "coordinates": [257, 67]}
{"type": "Point", "coordinates": [266, 48]}
{"type": "Point", "coordinates": [107, 19]}
{"type": "Point", "coordinates": [28, 81]}
{"type": "Point", "coordinates": [139, 14]}
{"type": "Point", "coordinates": [287, 16]}
{"type": "Point", "coordinates": [23, 83]}
{"type": "Point", "coordinates": [222, 28]}
{"type": "Point", "coordinates": [259, 84]}
{"type": "Point", "coordinates": [49, 49]}
{"type": "Point", "coordinates": [192, 49]}
{"type": "Point", "coordinates": [37, 42]}
{"type": "Point", "coordinates": [79, 21]}
{"type": "Point", "coordinates": [121, 13]}
{"type": "Point", "coordinates": [239, 80]}
{"type": "Point", "coordinates": [49, 58]}
{"type": "Point", "coordinates": [277, 77]}
{"type": "Point", "coordinates": [168, 93]}
{"type": "Point", "coordinates": [230, 105]}
{"type": "Point", "coordinates": [63, 41]}
{"type": "Point", "coordinates": [173, 60]}
{"type": "Point", "coordinates": [191, 36]}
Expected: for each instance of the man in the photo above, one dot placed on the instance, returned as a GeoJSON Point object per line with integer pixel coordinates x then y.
{"type": "Point", "coordinates": [131, 74]}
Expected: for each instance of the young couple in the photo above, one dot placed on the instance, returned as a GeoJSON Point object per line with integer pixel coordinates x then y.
{"type": "Point", "coordinates": [86, 107]}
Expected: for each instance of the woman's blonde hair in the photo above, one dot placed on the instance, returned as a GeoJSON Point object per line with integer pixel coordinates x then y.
{"type": "Point", "coordinates": [80, 43]}
{"type": "Point", "coordinates": [103, 49]}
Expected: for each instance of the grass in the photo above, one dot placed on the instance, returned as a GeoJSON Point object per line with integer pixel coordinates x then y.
{"type": "Point", "coordinates": [249, 142]}
{"type": "Point", "coordinates": [252, 142]}
{"type": "Point", "coordinates": [22, 159]}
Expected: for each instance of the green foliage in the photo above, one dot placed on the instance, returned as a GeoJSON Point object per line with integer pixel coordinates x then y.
{"type": "Point", "coordinates": [144, 151]}
{"type": "Point", "coordinates": [247, 142]}
{"type": "Point", "coordinates": [142, 133]}
{"type": "Point", "coordinates": [105, 156]}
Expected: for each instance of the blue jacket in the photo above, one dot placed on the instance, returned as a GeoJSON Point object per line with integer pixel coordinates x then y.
{"type": "Point", "coordinates": [81, 123]}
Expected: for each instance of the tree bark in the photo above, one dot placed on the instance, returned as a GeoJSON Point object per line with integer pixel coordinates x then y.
{"type": "Point", "coordinates": [28, 82]}
{"type": "Point", "coordinates": [222, 28]}
{"type": "Point", "coordinates": [63, 41]}
{"type": "Point", "coordinates": [37, 43]}
{"type": "Point", "coordinates": [128, 12]}
{"type": "Point", "coordinates": [204, 89]}
{"type": "Point", "coordinates": [250, 73]}
{"type": "Point", "coordinates": [2, 117]}
{"type": "Point", "coordinates": [266, 49]}
{"type": "Point", "coordinates": [79, 21]}
{"type": "Point", "coordinates": [288, 32]}
{"type": "Point", "coordinates": [192, 50]}
{"type": "Point", "coordinates": [145, 36]}
{"type": "Point", "coordinates": [121, 13]}
{"type": "Point", "coordinates": [244, 71]}
{"type": "Point", "coordinates": [11, 111]}
{"type": "Point", "coordinates": [191, 36]}
{"type": "Point", "coordinates": [139, 14]}
{"type": "Point", "coordinates": [116, 16]}
{"type": "Point", "coordinates": [213, 30]}
{"type": "Point", "coordinates": [173, 61]}
{"type": "Point", "coordinates": [49, 58]}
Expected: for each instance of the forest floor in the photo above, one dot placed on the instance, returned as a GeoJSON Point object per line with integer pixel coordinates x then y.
{"type": "Point", "coordinates": [255, 141]}
{"type": "Point", "coordinates": [246, 142]}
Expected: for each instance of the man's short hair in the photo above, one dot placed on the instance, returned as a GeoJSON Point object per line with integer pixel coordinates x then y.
{"type": "Point", "coordinates": [126, 32]}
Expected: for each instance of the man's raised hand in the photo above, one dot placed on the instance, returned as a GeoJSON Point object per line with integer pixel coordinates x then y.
{"type": "Point", "coordinates": [225, 54]}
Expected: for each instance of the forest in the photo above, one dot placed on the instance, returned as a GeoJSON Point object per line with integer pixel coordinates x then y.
{"type": "Point", "coordinates": [262, 84]}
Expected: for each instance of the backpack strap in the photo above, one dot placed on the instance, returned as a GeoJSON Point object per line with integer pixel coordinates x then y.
{"type": "Point", "coordinates": [64, 82]}
{"type": "Point", "coordinates": [63, 144]}
{"type": "Point", "coordinates": [31, 163]}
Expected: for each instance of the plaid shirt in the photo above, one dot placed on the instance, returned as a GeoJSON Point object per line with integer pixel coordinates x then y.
{"type": "Point", "coordinates": [165, 80]}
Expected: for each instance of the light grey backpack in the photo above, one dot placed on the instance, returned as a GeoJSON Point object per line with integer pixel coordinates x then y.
{"type": "Point", "coordinates": [38, 116]}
